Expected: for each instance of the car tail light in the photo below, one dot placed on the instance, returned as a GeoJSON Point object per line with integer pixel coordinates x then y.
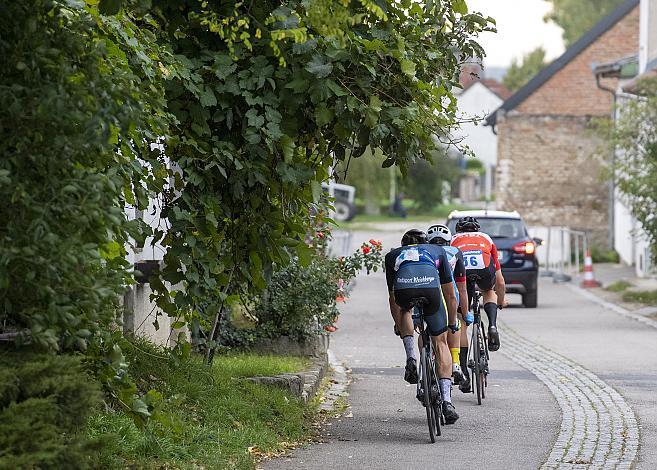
{"type": "Point", "coordinates": [527, 248]}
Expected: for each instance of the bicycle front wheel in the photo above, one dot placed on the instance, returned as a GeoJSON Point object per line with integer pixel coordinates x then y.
{"type": "Point", "coordinates": [426, 386]}
{"type": "Point", "coordinates": [477, 361]}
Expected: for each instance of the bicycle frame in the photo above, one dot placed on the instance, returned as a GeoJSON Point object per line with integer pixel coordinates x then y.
{"type": "Point", "coordinates": [478, 352]}
{"type": "Point", "coordinates": [428, 379]}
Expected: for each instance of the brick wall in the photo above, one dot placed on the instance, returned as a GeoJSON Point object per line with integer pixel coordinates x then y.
{"type": "Point", "coordinates": [548, 171]}
{"type": "Point", "coordinates": [572, 90]}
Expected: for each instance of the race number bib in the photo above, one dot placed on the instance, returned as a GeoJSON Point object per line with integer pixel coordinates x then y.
{"type": "Point", "coordinates": [409, 254]}
{"type": "Point", "coordinates": [473, 259]}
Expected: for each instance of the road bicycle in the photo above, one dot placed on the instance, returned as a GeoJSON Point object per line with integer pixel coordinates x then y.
{"type": "Point", "coordinates": [478, 355]}
{"type": "Point", "coordinates": [427, 385]}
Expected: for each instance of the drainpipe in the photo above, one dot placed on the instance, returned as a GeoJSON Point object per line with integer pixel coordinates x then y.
{"type": "Point", "coordinates": [612, 181]}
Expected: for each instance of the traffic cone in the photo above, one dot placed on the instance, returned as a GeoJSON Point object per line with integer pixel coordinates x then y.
{"type": "Point", "coordinates": [589, 279]}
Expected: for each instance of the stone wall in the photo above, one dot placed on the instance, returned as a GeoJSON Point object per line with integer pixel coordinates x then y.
{"type": "Point", "coordinates": [549, 171]}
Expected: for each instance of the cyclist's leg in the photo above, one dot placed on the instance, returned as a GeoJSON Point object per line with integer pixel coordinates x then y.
{"type": "Point", "coordinates": [437, 326]}
{"type": "Point", "coordinates": [487, 284]}
{"type": "Point", "coordinates": [454, 343]}
{"type": "Point", "coordinates": [465, 342]}
{"type": "Point", "coordinates": [401, 312]}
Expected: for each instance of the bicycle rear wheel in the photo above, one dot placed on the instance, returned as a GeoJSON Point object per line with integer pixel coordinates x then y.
{"type": "Point", "coordinates": [426, 385]}
{"type": "Point", "coordinates": [484, 362]}
{"type": "Point", "coordinates": [477, 361]}
{"type": "Point", "coordinates": [436, 397]}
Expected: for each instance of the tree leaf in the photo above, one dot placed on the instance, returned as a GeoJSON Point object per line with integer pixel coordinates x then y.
{"type": "Point", "coordinates": [407, 67]}
{"type": "Point", "coordinates": [318, 67]}
{"type": "Point", "coordinates": [109, 7]}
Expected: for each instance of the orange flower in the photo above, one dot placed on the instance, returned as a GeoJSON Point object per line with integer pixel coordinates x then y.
{"type": "Point", "coordinates": [366, 249]}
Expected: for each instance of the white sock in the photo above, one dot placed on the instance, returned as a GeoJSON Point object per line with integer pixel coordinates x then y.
{"type": "Point", "coordinates": [409, 346]}
{"type": "Point", "coordinates": [446, 389]}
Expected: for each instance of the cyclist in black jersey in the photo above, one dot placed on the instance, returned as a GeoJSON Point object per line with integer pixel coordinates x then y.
{"type": "Point", "coordinates": [418, 269]}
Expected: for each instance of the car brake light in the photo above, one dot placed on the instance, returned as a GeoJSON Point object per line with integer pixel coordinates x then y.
{"type": "Point", "coordinates": [527, 248]}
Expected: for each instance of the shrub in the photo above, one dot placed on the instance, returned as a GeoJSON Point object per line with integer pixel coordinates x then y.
{"type": "Point", "coordinates": [618, 286]}
{"type": "Point", "coordinates": [604, 255]}
{"type": "Point", "coordinates": [44, 401]}
{"type": "Point", "coordinates": [648, 297]}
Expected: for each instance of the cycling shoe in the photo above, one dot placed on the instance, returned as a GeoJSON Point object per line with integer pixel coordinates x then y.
{"type": "Point", "coordinates": [465, 385]}
{"type": "Point", "coordinates": [457, 374]}
{"type": "Point", "coordinates": [493, 338]}
{"type": "Point", "coordinates": [410, 374]}
{"type": "Point", "coordinates": [451, 416]}
{"type": "Point", "coordinates": [420, 395]}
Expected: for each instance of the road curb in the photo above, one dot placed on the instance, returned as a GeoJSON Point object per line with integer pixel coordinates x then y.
{"type": "Point", "coordinates": [613, 307]}
{"type": "Point", "coordinates": [303, 385]}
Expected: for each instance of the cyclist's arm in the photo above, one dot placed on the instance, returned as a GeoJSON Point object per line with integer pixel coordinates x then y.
{"type": "Point", "coordinates": [450, 301]}
{"type": "Point", "coordinates": [459, 277]}
{"type": "Point", "coordinates": [500, 285]}
{"type": "Point", "coordinates": [447, 287]}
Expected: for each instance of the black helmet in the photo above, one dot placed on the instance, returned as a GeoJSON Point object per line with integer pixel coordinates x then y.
{"type": "Point", "coordinates": [414, 237]}
{"type": "Point", "coordinates": [467, 224]}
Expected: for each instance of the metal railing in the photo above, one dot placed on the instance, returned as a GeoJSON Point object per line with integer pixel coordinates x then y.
{"type": "Point", "coordinates": [339, 243]}
{"type": "Point", "coordinates": [563, 251]}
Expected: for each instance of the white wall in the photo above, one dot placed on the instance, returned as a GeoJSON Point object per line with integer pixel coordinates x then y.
{"type": "Point", "coordinates": [144, 311]}
{"type": "Point", "coordinates": [479, 101]}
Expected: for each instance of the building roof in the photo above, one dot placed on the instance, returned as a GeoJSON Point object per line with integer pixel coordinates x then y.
{"type": "Point", "coordinates": [497, 88]}
{"type": "Point", "coordinates": [573, 51]}
{"type": "Point", "coordinates": [493, 85]}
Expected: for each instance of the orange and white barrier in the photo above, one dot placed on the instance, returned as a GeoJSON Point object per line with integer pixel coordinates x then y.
{"type": "Point", "coordinates": [589, 279]}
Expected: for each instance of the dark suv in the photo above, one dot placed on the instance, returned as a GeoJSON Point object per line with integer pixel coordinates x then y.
{"type": "Point", "coordinates": [516, 250]}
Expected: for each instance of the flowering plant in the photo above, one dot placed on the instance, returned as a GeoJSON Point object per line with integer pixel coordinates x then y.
{"type": "Point", "coordinates": [368, 257]}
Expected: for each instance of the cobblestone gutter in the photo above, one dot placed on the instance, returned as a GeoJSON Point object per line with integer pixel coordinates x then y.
{"type": "Point", "coordinates": [598, 427]}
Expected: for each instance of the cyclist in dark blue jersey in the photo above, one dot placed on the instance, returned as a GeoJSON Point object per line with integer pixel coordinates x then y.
{"type": "Point", "coordinates": [458, 342]}
{"type": "Point", "coordinates": [418, 269]}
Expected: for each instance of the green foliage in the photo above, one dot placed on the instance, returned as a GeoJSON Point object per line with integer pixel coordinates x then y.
{"type": "Point", "coordinates": [372, 182]}
{"type": "Point", "coordinates": [425, 180]}
{"type": "Point", "coordinates": [604, 255]}
{"type": "Point", "coordinates": [648, 297]}
{"type": "Point", "coordinates": [214, 415]}
{"type": "Point", "coordinates": [619, 286]}
{"type": "Point", "coordinates": [635, 143]}
{"type": "Point", "coordinates": [44, 401]}
{"type": "Point", "coordinates": [521, 72]}
{"type": "Point", "coordinates": [576, 17]}
{"type": "Point", "coordinates": [266, 98]}
{"type": "Point", "coordinates": [301, 300]}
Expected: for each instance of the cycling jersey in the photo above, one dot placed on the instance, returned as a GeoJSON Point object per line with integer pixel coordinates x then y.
{"type": "Point", "coordinates": [417, 271]}
{"type": "Point", "coordinates": [456, 263]}
{"type": "Point", "coordinates": [417, 266]}
{"type": "Point", "coordinates": [478, 250]}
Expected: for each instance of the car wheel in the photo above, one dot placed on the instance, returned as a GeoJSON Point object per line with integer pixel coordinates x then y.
{"type": "Point", "coordinates": [344, 211]}
{"type": "Point", "coordinates": [530, 299]}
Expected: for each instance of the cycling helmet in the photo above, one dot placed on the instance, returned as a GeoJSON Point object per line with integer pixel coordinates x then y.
{"type": "Point", "coordinates": [439, 234]}
{"type": "Point", "coordinates": [414, 237]}
{"type": "Point", "coordinates": [467, 224]}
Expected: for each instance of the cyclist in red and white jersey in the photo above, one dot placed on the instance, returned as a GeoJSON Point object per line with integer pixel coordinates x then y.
{"type": "Point", "coordinates": [482, 265]}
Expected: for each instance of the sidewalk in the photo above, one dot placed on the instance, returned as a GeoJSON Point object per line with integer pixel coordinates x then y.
{"type": "Point", "coordinates": [610, 273]}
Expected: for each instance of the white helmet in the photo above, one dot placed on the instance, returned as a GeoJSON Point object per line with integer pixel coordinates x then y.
{"type": "Point", "coordinates": [439, 232]}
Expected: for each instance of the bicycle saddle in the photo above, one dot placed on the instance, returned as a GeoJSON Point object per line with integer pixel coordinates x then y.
{"type": "Point", "coordinates": [419, 301]}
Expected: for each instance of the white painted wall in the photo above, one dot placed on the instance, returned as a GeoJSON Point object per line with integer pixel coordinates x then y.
{"type": "Point", "coordinates": [630, 240]}
{"type": "Point", "coordinates": [480, 101]}
{"type": "Point", "coordinates": [145, 312]}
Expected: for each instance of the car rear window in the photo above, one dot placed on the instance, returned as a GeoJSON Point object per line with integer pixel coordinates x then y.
{"type": "Point", "coordinates": [497, 227]}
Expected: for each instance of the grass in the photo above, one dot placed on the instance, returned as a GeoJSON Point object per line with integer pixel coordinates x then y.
{"type": "Point", "coordinates": [216, 418]}
{"type": "Point", "coordinates": [619, 286]}
{"type": "Point", "coordinates": [363, 221]}
{"type": "Point", "coordinates": [648, 297]}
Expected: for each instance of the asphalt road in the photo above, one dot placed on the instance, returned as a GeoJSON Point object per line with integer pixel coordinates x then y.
{"type": "Point", "coordinates": [575, 388]}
